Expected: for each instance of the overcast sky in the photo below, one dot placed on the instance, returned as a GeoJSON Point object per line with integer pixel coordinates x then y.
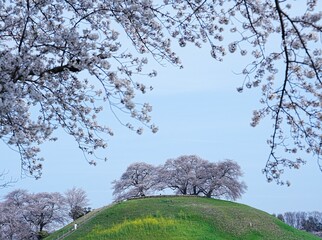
{"type": "Point", "coordinates": [198, 111]}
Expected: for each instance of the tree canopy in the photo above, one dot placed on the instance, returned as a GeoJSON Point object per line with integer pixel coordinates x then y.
{"type": "Point", "coordinates": [138, 180]}
{"type": "Point", "coordinates": [62, 61]}
{"type": "Point", "coordinates": [77, 201]}
{"type": "Point", "coordinates": [185, 175]}
{"type": "Point", "coordinates": [27, 215]}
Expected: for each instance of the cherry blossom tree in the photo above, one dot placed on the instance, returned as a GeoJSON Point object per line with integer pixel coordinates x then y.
{"type": "Point", "coordinates": [27, 216]}
{"type": "Point", "coordinates": [62, 61]}
{"type": "Point", "coordinates": [184, 174]}
{"type": "Point", "coordinates": [138, 180]}
{"type": "Point", "coordinates": [77, 201]}
{"type": "Point", "coordinates": [45, 211]}
{"type": "Point", "coordinates": [192, 175]}
{"type": "Point", "coordinates": [221, 180]}
{"type": "Point", "coordinates": [12, 224]}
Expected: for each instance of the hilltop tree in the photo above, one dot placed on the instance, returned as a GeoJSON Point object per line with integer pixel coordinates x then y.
{"type": "Point", "coordinates": [138, 180]}
{"type": "Point", "coordinates": [61, 61]}
{"type": "Point", "coordinates": [184, 174]}
{"type": "Point", "coordinates": [192, 175]}
{"type": "Point", "coordinates": [221, 180]}
{"type": "Point", "coordinates": [77, 201]}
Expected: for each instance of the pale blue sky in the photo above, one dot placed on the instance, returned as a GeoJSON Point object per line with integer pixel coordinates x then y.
{"type": "Point", "coordinates": [198, 111]}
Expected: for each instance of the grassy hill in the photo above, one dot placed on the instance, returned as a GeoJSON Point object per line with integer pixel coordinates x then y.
{"type": "Point", "coordinates": [181, 218]}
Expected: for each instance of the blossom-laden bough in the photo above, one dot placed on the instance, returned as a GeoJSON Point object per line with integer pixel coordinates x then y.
{"type": "Point", "coordinates": [61, 61]}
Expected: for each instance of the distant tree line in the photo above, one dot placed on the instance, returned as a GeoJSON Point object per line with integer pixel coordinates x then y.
{"type": "Point", "coordinates": [307, 221]}
{"type": "Point", "coordinates": [25, 215]}
{"type": "Point", "coordinates": [185, 175]}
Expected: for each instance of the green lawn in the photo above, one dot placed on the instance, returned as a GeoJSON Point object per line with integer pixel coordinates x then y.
{"type": "Point", "coordinates": [183, 218]}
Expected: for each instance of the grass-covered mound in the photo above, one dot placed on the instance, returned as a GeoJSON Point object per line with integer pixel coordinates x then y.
{"type": "Point", "coordinates": [183, 218]}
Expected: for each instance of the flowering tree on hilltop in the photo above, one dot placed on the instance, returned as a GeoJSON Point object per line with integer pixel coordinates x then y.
{"type": "Point", "coordinates": [192, 175]}
{"type": "Point", "coordinates": [221, 180]}
{"type": "Point", "coordinates": [138, 180]}
{"type": "Point", "coordinates": [185, 175]}
{"type": "Point", "coordinates": [61, 61]}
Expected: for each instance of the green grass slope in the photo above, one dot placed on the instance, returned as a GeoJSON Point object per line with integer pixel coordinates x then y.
{"type": "Point", "coordinates": [182, 218]}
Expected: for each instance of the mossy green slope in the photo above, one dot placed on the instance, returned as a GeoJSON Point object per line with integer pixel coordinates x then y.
{"type": "Point", "coordinates": [184, 218]}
